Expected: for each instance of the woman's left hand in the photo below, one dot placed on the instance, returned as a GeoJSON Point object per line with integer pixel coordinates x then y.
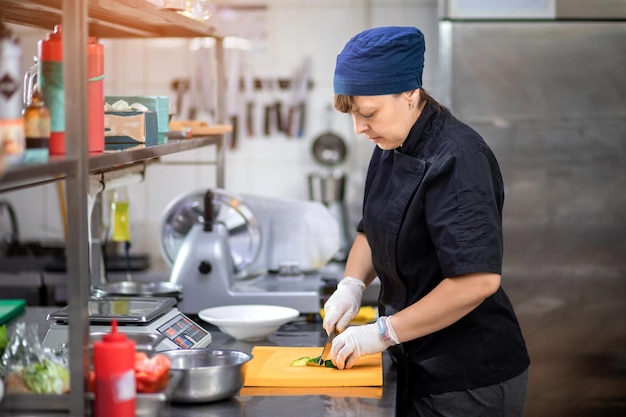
{"type": "Point", "coordinates": [356, 341]}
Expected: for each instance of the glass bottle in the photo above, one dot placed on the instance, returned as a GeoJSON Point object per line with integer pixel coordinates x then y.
{"type": "Point", "coordinates": [120, 225]}
{"type": "Point", "coordinates": [37, 122]}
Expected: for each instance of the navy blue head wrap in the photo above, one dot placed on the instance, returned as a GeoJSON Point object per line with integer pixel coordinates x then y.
{"type": "Point", "coordinates": [384, 60]}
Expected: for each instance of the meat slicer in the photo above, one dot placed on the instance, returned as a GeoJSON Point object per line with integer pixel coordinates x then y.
{"type": "Point", "coordinates": [226, 249]}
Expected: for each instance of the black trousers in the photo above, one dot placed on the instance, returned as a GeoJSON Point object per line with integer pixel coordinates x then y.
{"type": "Point", "coordinates": [506, 399]}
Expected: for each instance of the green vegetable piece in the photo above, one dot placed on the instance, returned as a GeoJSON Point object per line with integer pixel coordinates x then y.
{"type": "Point", "coordinates": [306, 361]}
{"type": "Point", "coordinates": [300, 362]}
{"type": "Point", "coordinates": [4, 338]}
{"type": "Point", "coordinates": [315, 362]}
{"type": "Point", "coordinates": [46, 377]}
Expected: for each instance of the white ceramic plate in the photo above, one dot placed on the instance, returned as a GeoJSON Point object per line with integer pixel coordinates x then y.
{"type": "Point", "coordinates": [249, 321]}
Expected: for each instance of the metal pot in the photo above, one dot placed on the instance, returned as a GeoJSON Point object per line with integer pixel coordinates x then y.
{"type": "Point", "coordinates": [208, 374]}
{"type": "Point", "coordinates": [138, 289]}
{"type": "Point", "coordinates": [329, 149]}
{"type": "Point", "coordinates": [327, 188]}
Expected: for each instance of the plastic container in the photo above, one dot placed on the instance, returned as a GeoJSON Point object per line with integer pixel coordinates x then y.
{"type": "Point", "coordinates": [11, 120]}
{"type": "Point", "coordinates": [114, 369]}
{"type": "Point", "coordinates": [120, 225]}
{"type": "Point", "coordinates": [50, 81]}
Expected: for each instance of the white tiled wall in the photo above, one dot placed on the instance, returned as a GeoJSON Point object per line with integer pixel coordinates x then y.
{"type": "Point", "coordinates": [272, 166]}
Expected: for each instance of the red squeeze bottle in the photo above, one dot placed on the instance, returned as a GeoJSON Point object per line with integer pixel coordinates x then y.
{"type": "Point", "coordinates": [114, 368]}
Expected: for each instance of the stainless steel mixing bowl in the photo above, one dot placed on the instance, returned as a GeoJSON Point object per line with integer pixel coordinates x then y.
{"type": "Point", "coordinates": [208, 374]}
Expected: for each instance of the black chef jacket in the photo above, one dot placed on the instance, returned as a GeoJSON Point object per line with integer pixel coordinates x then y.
{"type": "Point", "coordinates": [433, 209]}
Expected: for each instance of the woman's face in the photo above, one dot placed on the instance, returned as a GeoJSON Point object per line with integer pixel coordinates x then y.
{"type": "Point", "coordinates": [385, 119]}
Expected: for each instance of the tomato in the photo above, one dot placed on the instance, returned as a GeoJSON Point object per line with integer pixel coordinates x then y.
{"type": "Point", "coordinates": [151, 374]}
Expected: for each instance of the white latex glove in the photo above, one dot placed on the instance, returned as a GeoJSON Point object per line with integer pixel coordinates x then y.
{"type": "Point", "coordinates": [357, 341]}
{"type": "Point", "coordinates": [343, 305]}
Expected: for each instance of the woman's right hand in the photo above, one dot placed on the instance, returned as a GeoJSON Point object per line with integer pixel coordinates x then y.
{"type": "Point", "coordinates": [343, 305]}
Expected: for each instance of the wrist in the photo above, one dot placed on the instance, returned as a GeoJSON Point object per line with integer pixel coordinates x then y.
{"type": "Point", "coordinates": [386, 331]}
{"type": "Point", "coordinates": [352, 282]}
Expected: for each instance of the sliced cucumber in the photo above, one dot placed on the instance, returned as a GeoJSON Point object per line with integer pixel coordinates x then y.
{"type": "Point", "coordinates": [315, 362]}
{"type": "Point", "coordinates": [306, 361]}
{"type": "Point", "coordinates": [300, 362]}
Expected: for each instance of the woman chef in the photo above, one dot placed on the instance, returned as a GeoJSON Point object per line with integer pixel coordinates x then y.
{"type": "Point", "coordinates": [431, 231]}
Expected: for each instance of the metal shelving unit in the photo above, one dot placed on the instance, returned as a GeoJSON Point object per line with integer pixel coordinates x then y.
{"type": "Point", "coordinates": [109, 18]}
{"type": "Point", "coordinates": [60, 167]}
{"type": "Point", "coordinates": [81, 19]}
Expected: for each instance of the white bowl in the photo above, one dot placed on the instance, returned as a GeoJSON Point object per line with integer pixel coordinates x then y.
{"type": "Point", "coordinates": [248, 322]}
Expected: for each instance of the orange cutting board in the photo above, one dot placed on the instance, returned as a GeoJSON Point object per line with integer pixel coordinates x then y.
{"type": "Point", "coordinates": [270, 368]}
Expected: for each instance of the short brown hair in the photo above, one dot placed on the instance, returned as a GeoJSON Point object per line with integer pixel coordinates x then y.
{"type": "Point", "coordinates": [344, 103]}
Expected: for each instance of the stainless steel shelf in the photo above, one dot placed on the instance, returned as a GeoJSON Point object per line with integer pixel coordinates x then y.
{"type": "Point", "coordinates": [114, 159]}
{"type": "Point", "coordinates": [59, 167]}
{"type": "Point", "coordinates": [109, 18]}
{"type": "Point", "coordinates": [32, 174]}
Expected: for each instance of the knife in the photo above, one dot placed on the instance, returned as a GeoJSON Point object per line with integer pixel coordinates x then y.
{"type": "Point", "coordinates": [327, 346]}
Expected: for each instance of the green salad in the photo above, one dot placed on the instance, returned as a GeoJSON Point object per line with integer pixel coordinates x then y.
{"type": "Point", "coordinates": [4, 338]}
{"type": "Point", "coordinates": [46, 377]}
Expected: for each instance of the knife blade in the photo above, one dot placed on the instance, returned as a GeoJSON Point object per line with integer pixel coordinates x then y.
{"type": "Point", "coordinates": [327, 346]}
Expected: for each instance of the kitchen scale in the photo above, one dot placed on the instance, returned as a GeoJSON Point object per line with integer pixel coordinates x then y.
{"type": "Point", "coordinates": [135, 316]}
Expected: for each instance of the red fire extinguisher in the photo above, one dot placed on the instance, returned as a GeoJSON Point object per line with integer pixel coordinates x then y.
{"type": "Point", "coordinates": [50, 83]}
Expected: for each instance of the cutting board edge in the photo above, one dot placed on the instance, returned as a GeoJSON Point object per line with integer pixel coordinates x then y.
{"type": "Point", "coordinates": [358, 392]}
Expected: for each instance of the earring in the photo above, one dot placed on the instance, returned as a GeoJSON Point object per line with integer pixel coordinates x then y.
{"type": "Point", "coordinates": [410, 105]}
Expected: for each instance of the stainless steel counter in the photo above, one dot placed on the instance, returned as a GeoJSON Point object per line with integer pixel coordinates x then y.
{"type": "Point", "coordinates": [302, 332]}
